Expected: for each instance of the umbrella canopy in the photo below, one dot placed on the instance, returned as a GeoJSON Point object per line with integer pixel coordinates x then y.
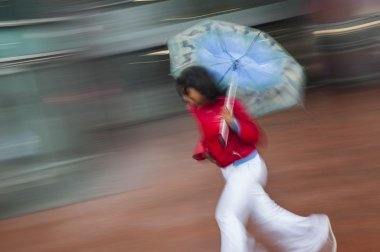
{"type": "Point", "coordinates": [267, 78]}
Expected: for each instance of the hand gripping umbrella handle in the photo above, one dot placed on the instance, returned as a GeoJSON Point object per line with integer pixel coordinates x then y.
{"type": "Point", "coordinates": [229, 104]}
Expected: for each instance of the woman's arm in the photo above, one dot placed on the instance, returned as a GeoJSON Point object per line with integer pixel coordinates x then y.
{"type": "Point", "coordinates": [200, 151]}
{"type": "Point", "coordinates": [242, 123]}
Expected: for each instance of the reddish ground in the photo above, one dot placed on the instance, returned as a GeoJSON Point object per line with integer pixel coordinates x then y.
{"type": "Point", "coordinates": [321, 158]}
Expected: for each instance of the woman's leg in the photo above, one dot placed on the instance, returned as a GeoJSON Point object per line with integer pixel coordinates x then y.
{"type": "Point", "coordinates": [287, 231]}
{"type": "Point", "coordinates": [233, 208]}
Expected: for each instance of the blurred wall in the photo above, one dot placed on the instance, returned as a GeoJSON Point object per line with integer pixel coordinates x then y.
{"type": "Point", "coordinates": [66, 74]}
{"type": "Point", "coordinates": [347, 35]}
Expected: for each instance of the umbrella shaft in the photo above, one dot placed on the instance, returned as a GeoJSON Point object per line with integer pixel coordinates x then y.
{"type": "Point", "coordinates": [229, 105]}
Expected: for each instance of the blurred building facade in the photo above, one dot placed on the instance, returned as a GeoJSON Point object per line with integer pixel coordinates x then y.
{"type": "Point", "coordinates": [65, 74]}
{"type": "Point", "coordinates": [70, 70]}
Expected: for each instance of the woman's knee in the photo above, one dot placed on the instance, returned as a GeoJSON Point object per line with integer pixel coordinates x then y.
{"type": "Point", "coordinates": [224, 216]}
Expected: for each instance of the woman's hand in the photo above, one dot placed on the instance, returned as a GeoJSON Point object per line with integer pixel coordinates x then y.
{"type": "Point", "coordinates": [209, 158]}
{"type": "Point", "coordinates": [227, 116]}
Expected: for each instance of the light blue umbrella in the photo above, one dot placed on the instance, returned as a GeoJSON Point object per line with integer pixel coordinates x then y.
{"type": "Point", "coordinates": [254, 67]}
{"type": "Point", "coordinates": [267, 77]}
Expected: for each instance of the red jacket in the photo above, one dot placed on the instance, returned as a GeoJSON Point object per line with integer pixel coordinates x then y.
{"type": "Point", "coordinates": [239, 145]}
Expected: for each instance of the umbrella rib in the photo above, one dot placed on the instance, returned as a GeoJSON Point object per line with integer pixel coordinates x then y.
{"type": "Point", "coordinates": [224, 46]}
{"type": "Point", "coordinates": [225, 50]}
{"type": "Point", "coordinates": [220, 63]}
{"type": "Point", "coordinates": [224, 75]}
{"type": "Point", "coordinates": [250, 46]}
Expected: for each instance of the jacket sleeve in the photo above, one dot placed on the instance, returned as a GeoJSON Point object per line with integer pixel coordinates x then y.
{"type": "Point", "coordinates": [247, 129]}
{"type": "Point", "coordinates": [200, 151]}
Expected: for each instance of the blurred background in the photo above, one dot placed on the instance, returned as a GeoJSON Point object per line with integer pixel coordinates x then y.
{"type": "Point", "coordinates": [88, 108]}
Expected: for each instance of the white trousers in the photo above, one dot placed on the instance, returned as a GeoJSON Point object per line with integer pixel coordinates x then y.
{"type": "Point", "coordinates": [243, 196]}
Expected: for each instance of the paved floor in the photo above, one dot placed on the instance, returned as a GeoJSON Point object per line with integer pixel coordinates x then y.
{"type": "Point", "coordinates": [321, 158]}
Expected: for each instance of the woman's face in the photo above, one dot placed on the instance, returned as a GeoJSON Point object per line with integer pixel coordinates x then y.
{"type": "Point", "coordinates": [194, 97]}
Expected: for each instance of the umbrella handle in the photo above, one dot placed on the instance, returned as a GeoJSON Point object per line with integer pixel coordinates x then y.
{"type": "Point", "coordinates": [229, 104]}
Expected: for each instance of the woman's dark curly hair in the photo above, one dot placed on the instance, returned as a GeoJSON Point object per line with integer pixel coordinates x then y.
{"type": "Point", "coordinates": [199, 78]}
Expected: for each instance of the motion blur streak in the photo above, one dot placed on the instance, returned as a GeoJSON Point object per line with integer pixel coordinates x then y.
{"type": "Point", "coordinates": [95, 144]}
{"type": "Point", "coordinates": [347, 29]}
